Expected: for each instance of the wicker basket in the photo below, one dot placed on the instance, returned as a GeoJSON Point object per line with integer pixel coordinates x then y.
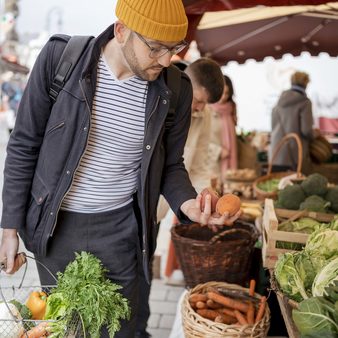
{"type": "Point", "coordinates": [261, 194]}
{"type": "Point", "coordinates": [195, 326]}
{"type": "Point", "coordinates": [205, 256]}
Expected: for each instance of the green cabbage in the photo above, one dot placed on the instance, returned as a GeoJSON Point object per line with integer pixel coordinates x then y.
{"type": "Point", "coordinates": [288, 278]}
{"type": "Point", "coordinates": [324, 277]}
{"type": "Point", "coordinates": [322, 246]}
{"type": "Point", "coordinates": [315, 318]}
{"type": "Point", "coordinates": [305, 225]}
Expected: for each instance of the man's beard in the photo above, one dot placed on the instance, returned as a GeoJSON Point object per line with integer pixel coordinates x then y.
{"type": "Point", "coordinates": [148, 74]}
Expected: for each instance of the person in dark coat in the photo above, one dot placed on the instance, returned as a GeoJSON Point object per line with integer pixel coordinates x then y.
{"type": "Point", "coordinates": [85, 173]}
{"type": "Point", "coordinates": [293, 114]}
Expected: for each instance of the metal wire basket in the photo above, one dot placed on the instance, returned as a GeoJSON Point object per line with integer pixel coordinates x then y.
{"type": "Point", "coordinates": [20, 293]}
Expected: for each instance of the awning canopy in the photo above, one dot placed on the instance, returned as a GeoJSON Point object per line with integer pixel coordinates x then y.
{"type": "Point", "coordinates": [257, 32]}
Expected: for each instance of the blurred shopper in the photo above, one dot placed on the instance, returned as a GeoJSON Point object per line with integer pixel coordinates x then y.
{"type": "Point", "coordinates": [207, 84]}
{"type": "Point", "coordinates": [223, 140]}
{"type": "Point", "coordinates": [85, 173]}
{"type": "Point", "coordinates": [293, 114]}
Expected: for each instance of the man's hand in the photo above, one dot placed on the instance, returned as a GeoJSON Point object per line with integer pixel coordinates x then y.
{"type": "Point", "coordinates": [9, 249]}
{"type": "Point", "coordinates": [192, 209]}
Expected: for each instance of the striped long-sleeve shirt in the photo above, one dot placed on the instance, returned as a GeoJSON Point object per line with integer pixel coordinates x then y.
{"type": "Point", "coordinates": [107, 174]}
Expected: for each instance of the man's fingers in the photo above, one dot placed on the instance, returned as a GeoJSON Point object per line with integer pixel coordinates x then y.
{"type": "Point", "coordinates": [198, 201]}
{"type": "Point", "coordinates": [207, 205]}
{"type": "Point", "coordinates": [10, 264]}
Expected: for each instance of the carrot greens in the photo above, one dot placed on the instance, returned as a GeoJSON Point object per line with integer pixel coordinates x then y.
{"type": "Point", "coordinates": [84, 291]}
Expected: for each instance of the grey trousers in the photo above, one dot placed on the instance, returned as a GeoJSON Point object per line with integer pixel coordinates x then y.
{"type": "Point", "coordinates": [112, 237]}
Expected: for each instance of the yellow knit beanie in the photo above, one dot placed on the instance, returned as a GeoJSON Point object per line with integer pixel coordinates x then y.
{"type": "Point", "coordinates": [163, 20]}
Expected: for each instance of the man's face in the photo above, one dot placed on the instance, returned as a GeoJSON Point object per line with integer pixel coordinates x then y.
{"type": "Point", "coordinates": [200, 98]}
{"type": "Point", "coordinates": [137, 55]}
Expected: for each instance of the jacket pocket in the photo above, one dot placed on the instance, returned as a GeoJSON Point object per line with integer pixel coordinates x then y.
{"type": "Point", "coordinates": [39, 194]}
{"type": "Point", "coordinates": [55, 127]}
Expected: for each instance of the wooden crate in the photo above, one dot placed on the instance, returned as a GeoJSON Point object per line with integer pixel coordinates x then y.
{"type": "Point", "coordinates": [286, 306]}
{"type": "Point", "coordinates": [271, 234]}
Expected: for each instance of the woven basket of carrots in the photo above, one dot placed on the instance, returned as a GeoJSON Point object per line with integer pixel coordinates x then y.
{"type": "Point", "coordinates": [218, 309]}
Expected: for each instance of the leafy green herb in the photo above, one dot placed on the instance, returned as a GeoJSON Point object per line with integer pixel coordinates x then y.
{"type": "Point", "coordinates": [84, 290]}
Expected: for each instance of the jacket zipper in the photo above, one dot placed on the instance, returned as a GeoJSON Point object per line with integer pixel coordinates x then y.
{"type": "Point", "coordinates": [70, 185]}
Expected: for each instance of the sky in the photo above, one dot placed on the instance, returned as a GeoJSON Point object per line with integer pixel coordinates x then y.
{"type": "Point", "coordinates": [80, 17]}
{"type": "Point", "coordinates": [257, 85]}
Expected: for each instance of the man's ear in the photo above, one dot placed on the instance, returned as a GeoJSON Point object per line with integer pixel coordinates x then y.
{"type": "Point", "coordinates": [121, 32]}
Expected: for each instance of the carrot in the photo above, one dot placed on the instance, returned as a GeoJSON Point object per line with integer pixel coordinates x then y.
{"type": "Point", "coordinates": [197, 297]}
{"type": "Point", "coordinates": [201, 305]}
{"type": "Point", "coordinates": [261, 309]}
{"type": "Point", "coordinates": [219, 319]}
{"type": "Point", "coordinates": [212, 305]}
{"type": "Point", "coordinates": [193, 305]}
{"type": "Point", "coordinates": [38, 331]}
{"type": "Point", "coordinates": [241, 319]}
{"type": "Point", "coordinates": [213, 289]}
{"type": "Point", "coordinates": [226, 311]}
{"type": "Point", "coordinates": [226, 319]}
{"type": "Point", "coordinates": [250, 316]}
{"type": "Point", "coordinates": [228, 302]}
{"type": "Point", "coordinates": [208, 314]}
{"type": "Point", "coordinates": [252, 287]}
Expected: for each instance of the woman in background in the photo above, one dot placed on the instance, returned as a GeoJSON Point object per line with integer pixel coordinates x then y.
{"type": "Point", "coordinates": [223, 141]}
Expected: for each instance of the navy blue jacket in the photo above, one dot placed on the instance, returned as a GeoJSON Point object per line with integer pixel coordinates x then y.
{"type": "Point", "coordinates": [48, 141]}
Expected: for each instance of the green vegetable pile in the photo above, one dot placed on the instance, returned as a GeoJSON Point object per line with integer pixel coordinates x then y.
{"type": "Point", "coordinates": [84, 290]}
{"type": "Point", "coordinates": [311, 278]}
{"type": "Point", "coordinates": [318, 316]}
{"type": "Point", "coordinates": [269, 185]}
{"type": "Point", "coordinates": [306, 225]}
{"type": "Point", "coordinates": [312, 194]}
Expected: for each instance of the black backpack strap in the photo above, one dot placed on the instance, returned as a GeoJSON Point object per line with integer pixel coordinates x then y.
{"type": "Point", "coordinates": [174, 84]}
{"type": "Point", "coordinates": [69, 58]}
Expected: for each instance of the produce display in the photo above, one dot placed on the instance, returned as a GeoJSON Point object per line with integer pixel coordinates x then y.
{"type": "Point", "coordinates": [251, 210]}
{"type": "Point", "coordinates": [245, 174]}
{"type": "Point", "coordinates": [312, 194]}
{"type": "Point", "coordinates": [310, 277]}
{"type": "Point", "coordinates": [82, 295]}
{"type": "Point", "coordinates": [269, 185]}
{"type": "Point", "coordinates": [224, 306]}
{"type": "Point", "coordinates": [305, 225]}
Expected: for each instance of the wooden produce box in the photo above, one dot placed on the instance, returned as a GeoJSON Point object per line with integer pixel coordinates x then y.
{"type": "Point", "coordinates": [271, 234]}
{"type": "Point", "coordinates": [286, 306]}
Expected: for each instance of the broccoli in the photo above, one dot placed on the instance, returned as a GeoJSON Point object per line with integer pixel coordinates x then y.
{"type": "Point", "coordinates": [332, 196]}
{"type": "Point", "coordinates": [315, 203]}
{"type": "Point", "coordinates": [291, 197]}
{"type": "Point", "coordinates": [25, 313]}
{"type": "Point", "coordinates": [22, 308]}
{"type": "Point", "coordinates": [315, 184]}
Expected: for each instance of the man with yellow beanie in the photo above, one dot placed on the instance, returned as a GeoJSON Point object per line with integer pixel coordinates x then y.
{"type": "Point", "coordinates": [84, 171]}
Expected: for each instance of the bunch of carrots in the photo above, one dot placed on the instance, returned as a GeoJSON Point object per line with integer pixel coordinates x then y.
{"type": "Point", "coordinates": [38, 331]}
{"type": "Point", "coordinates": [213, 305]}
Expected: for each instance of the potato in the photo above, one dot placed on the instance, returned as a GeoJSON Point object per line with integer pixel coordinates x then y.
{"type": "Point", "coordinates": [228, 203]}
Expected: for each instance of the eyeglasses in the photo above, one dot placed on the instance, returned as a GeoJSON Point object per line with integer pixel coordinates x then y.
{"type": "Point", "coordinates": [157, 52]}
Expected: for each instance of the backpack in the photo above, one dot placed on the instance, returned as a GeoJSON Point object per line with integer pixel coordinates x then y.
{"type": "Point", "coordinates": [71, 55]}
